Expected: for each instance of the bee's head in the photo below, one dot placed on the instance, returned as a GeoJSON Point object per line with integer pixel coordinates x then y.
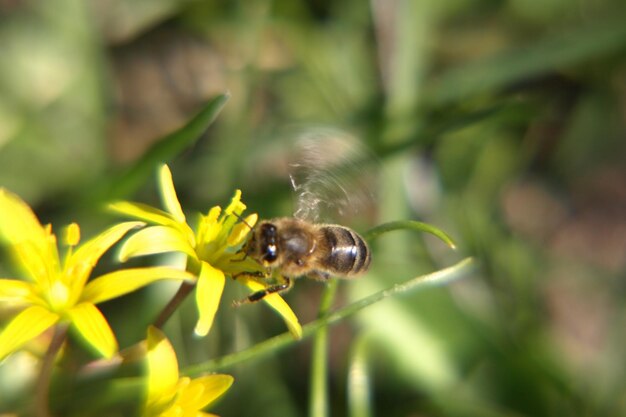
{"type": "Point", "coordinates": [263, 243]}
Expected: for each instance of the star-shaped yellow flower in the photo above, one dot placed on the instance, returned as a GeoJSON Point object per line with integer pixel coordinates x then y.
{"type": "Point", "coordinates": [171, 396]}
{"type": "Point", "coordinates": [213, 250]}
{"type": "Point", "coordinates": [55, 289]}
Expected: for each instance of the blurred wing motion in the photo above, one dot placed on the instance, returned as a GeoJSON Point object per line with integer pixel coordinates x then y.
{"type": "Point", "coordinates": [333, 177]}
{"type": "Point", "coordinates": [330, 177]}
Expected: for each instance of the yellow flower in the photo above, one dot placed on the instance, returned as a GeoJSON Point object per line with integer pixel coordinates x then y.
{"type": "Point", "coordinates": [213, 250]}
{"type": "Point", "coordinates": [56, 290]}
{"type": "Point", "coordinates": [171, 396]}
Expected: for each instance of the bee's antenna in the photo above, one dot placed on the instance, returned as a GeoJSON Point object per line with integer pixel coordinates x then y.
{"type": "Point", "coordinates": [243, 221]}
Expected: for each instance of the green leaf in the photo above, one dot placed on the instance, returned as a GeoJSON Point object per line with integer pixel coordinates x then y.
{"type": "Point", "coordinates": [550, 54]}
{"type": "Point", "coordinates": [125, 183]}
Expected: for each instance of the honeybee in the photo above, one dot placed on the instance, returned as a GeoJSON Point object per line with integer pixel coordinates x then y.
{"type": "Point", "coordinates": [300, 248]}
{"type": "Point", "coordinates": [290, 247]}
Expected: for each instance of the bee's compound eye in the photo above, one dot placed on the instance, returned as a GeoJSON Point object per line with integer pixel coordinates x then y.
{"type": "Point", "coordinates": [269, 250]}
{"type": "Point", "coordinates": [271, 253]}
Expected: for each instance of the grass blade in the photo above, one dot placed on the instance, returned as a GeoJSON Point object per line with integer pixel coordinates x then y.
{"type": "Point", "coordinates": [558, 51]}
{"type": "Point", "coordinates": [272, 345]}
{"type": "Point", "coordinates": [318, 405]}
{"type": "Point", "coordinates": [359, 398]}
{"type": "Point", "coordinates": [126, 182]}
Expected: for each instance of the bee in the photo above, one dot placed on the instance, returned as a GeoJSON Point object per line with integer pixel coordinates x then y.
{"type": "Point", "coordinates": [299, 248]}
{"type": "Point", "coordinates": [291, 247]}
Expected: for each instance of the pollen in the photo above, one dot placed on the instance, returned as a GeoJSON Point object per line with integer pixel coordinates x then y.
{"type": "Point", "coordinates": [72, 234]}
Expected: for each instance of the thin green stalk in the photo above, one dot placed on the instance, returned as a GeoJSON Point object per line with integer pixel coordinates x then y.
{"type": "Point", "coordinates": [318, 405]}
{"type": "Point", "coordinates": [272, 345]}
{"type": "Point", "coordinates": [42, 390]}
{"type": "Point", "coordinates": [409, 225]}
{"type": "Point", "coordinates": [359, 399]}
{"type": "Point", "coordinates": [183, 291]}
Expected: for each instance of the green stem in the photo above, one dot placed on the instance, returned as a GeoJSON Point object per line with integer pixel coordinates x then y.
{"type": "Point", "coordinates": [42, 389]}
{"type": "Point", "coordinates": [182, 293]}
{"type": "Point", "coordinates": [272, 345]}
{"type": "Point", "coordinates": [409, 225]}
{"type": "Point", "coordinates": [359, 401]}
{"type": "Point", "coordinates": [168, 310]}
{"type": "Point", "coordinates": [318, 405]}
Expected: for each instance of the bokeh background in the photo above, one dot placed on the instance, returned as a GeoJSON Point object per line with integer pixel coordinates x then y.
{"type": "Point", "coordinates": [501, 122]}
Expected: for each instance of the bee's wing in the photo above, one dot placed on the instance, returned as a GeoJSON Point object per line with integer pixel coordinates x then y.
{"type": "Point", "coordinates": [333, 176]}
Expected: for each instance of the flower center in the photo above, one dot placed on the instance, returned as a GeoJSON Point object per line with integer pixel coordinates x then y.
{"type": "Point", "coordinates": [59, 295]}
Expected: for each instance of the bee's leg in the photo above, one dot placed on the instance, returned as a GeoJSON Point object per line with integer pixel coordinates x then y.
{"type": "Point", "coordinates": [245, 255]}
{"type": "Point", "coordinates": [257, 274]}
{"type": "Point", "coordinates": [239, 260]}
{"type": "Point", "coordinates": [261, 294]}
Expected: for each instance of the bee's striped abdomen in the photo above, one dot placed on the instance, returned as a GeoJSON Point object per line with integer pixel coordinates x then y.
{"type": "Point", "coordinates": [347, 254]}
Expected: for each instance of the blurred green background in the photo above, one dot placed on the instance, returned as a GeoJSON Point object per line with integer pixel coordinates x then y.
{"type": "Point", "coordinates": [502, 122]}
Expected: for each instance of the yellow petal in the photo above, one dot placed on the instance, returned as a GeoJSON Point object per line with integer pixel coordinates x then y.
{"type": "Point", "coordinates": [118, 283]}
{"type": "Point", "coordinates": [143, 212]}
{"type": "Point", "coordinates": [154, 216]}
{"type": "Point", "coordinates": [33, 246]}
{"type": "Point", "coordinates": [12, 290]}
{"type": "Point", "coordinates": [94, 329]}
{"type": "Point", "coordinates": [27, 325]}
{"type": "Point", "coordinates": [279, 305]}
{"type": "Point", "coordinates": [201, 392]}
{"type": "Point", "coordinates": [93, 249]}
{"type": "Point", "coordinates": [162, 369]}
{"type": "Point", "coordinates": [208, 294]}
{"type": "Point", "coordinates": [168, 194]}
{"type": "Point", "coordinates": [155, 239]}
{"type": "Point", "coordinates": [18, 222]}
{"type": "Point", "coordinates": [39, 264]}
{"type": "Point", "coordinates": [82, 261]}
